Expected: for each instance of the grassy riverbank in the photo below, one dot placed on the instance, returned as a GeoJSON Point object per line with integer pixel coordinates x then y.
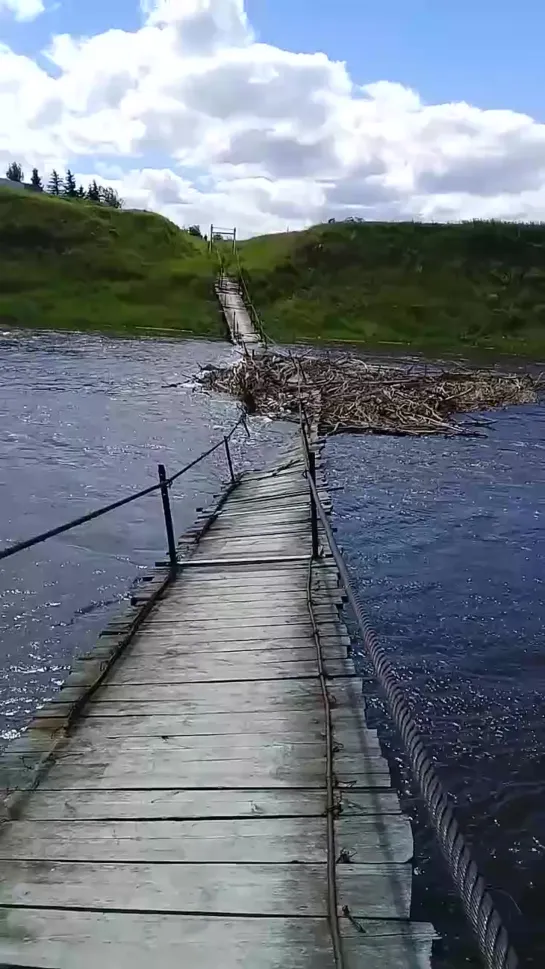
{"type": "Point", "coordinates": [471, 286]}
{"type": "Point", "coordinates": [78, 266]}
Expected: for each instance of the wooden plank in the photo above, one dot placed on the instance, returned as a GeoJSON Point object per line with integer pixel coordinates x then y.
{"type": "Point", "coordinates": [251, 594]}
{"type": "Point", "coordinates": [205, 888]}
{"type": "Point", "coordinates": [175, 750]}
{"type": "Point", "coordinates": [94, 746]}
{"type": "Point", "coordinates": [371, 840]}
{"type": "Point", "coordinates": [224, 628]}
{"type": "Point", "coordinates": [228, 562]}
{"type": "Point", "coordinates": [190, 804]}
{"type": "Point", "coordinates": [157, 641]}
{"type": "Point", "coordinates": [293, 724]}
{"type": "Point", "coordinates": [244, 634]}
{"type": "Point", "coordinates": [175, 670]}
{"type": "Point", "coordinates": [234, 620]}
{"type": "Point", "coordinates": [172, 772]}
{"type": "Point", "coordinates": [131, 941]}
{"type": "Point", "coordinates": [231, 840]}
{"type": "Point", "coordinates": [49, 805]}
{"type": "Point", "coordinates": [295, 650]}
{"type": "Point", "coordinates": [301, 650]}
{"type": "Point", "coordinates": [275, 890]}
{"type": "Point", "coordinates": [296, 526]}
{"type": "Point", "coordinates": [221, 774]}
{"type": "Point", "coordinates": [236, 696]}
{"type": "Point", "coordinates": [266, 547]}
{"type": "Point", "coordinates": [260, 610]}
{"type": "Point", "coordinates": [122, 940]}
{"type": "Point", "coordinates": [56, 710]}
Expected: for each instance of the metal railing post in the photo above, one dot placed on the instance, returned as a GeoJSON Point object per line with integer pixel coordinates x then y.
{"type": "Point", "coordinates": [172, 554]}
{"type": "Point", "coordinates": [229, 459]}
{"type": "Point", "coordinates": [313, 509]}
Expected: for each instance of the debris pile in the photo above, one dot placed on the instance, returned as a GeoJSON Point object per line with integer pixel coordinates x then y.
{"type": "Point", "coordinates": [348, 394]}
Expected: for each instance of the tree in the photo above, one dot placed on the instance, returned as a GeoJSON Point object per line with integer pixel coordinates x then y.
{"type": "Point", "coordinates": [195, 230]}
{"type": "Point", "coordinates": [110, 197]}
{"type": "Point", "coordinates": [36, 181]}
{"type": "Point", "coordinates": [54, 186]}
{"type": "Point", "coordinates": [69, 186]}
{"type": "Point", "coordinates": [15, 172]}
{"type": "Point", "coordinates": [81, 192]}
{"type": "Point", "coordinates": [93, 192]}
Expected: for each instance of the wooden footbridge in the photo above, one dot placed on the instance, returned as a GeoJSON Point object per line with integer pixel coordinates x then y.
{"type": "Point", "coordinates": [204, 790]}
{"type": "Point", "coordinates": [216, 798]}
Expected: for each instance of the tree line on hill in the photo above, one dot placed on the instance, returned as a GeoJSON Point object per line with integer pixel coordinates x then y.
{"type": "Point", "coordinates": [66, 187]}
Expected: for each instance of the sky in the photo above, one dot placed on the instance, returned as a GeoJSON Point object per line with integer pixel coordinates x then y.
{"type": "Point", "coordinates": [275, 114]}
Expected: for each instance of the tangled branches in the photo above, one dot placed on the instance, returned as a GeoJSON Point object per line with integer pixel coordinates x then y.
{"type": "Point", "coordinates": [348, 394]}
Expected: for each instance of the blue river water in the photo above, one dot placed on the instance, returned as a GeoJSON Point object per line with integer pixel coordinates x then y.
{"type": "Point", "coordinates": [445, 540]}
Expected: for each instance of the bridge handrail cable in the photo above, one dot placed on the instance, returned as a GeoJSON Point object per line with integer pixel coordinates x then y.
{"type": "Point", "coordinates": [487, 925]}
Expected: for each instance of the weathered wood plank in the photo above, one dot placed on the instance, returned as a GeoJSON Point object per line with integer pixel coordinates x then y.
{"type": "Point", "coordinates": [299, 650]}
{"type": "Point", "coordinates": [157, 707]}
{"type": "Point", "coordinates": [250, 595]}
{"type": "Point", "coordinates": [257, 610]}
{"type": "Point", "coordinates": [157, 640]}
{"type": "Point", "coordinates": [280, 889]}
{"type": "Point", "coordinates": [221, 774]}
{"type": "Point", "coordinates": [126, 941]}
{"type": "Point", "coordinates": [181, 804]}
{"type": "Point", "coordinates": [234, 747]}
{"type": "Point", "coordinates": [176, 671]}
{"type": "Point", "coordinates": [371, 840]}
{"type": "Point", "coordinates": [236, 696]}
{"type": "Point", "coordinates": [292, 724]}
{"type": "Point", "coordinates": [235, 629]}
{"type": "Point", "coordinates": [205, 888]}
{"type": "Point", "coordinates": [233, 621]}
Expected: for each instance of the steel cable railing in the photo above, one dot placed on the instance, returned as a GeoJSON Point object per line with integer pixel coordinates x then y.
{"type": "Point", "coordinates": [490, 933]}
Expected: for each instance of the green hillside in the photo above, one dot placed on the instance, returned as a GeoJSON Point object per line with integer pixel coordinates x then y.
{"type": "Point", "coordinates": [433, 287]}
{"type": "Point", "coordinates": [75, 265]}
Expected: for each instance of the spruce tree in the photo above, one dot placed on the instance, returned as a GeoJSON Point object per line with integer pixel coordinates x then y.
{"type": "Point", "coordinates": [69, 187]}
{"type": "Point", "coordinates": [36, 181]}
{"type": "Point", "coordinates": [54, 185]}
{"type": "Point", "coordinates": [93, 192]}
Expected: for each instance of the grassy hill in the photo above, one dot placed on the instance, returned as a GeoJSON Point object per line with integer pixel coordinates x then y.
{"type": "Point", "coordinates": [434, 287]}
{"type": "Point", "coordinates": [75, 265]}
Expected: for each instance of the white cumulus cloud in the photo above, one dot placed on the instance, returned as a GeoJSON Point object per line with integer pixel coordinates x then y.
{"type": "Point", "coordinates": [201, 121]}
{"type": "Point", "coordinates": [22, 9]}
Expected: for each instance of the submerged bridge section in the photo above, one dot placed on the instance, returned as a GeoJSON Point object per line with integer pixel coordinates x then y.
{"type": "Point", "coordinates": [219, 800]}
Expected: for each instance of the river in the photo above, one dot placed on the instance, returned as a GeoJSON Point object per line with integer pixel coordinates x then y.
{"type": "Point", "coordinates": [444, 538]}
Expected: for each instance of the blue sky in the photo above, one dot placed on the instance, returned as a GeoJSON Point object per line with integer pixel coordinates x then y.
{"type": "Point", "coordinates": [487, 52]}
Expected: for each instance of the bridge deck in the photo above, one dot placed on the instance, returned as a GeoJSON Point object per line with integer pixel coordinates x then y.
{"type": "Point", "coordinates": [238, 320]}
{"type": "Point", "coordinates": [184, 821]}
